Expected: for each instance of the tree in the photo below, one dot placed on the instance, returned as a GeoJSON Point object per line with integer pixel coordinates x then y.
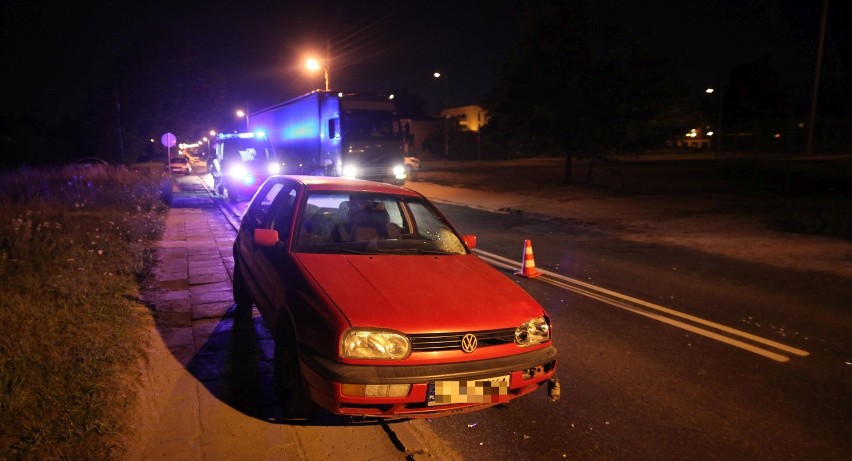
{"type": "Point", "coordinates": [755, 91]}
{"type": "Point", "coordinates": [159, 86]}
{"type": "Point", "coordinates": [409, 104]}
{"type": "Point", "coordinates": [572, 87]}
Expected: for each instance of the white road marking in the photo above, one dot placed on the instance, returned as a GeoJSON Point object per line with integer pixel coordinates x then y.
{"type": "Point", "coordinates": [641, 307]}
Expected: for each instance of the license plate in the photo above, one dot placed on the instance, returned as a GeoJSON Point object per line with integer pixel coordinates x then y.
{"type": "Point", "coordinates": [487, 390]}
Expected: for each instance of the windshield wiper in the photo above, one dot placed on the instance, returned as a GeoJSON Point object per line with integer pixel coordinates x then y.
{"type": "Point", "coordinates": [416, 251]}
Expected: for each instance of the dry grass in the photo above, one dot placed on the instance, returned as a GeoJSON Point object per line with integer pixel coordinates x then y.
{"type": "Point", "coordinates": [784, 194]}
{"type": "Point", "coordinates": [74, 243]}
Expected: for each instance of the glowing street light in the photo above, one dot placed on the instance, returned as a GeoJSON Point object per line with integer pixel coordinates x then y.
{"type": "Point", "coordinates": [241, 113]}
{"type": "Point", "coordinates": [314, 65]}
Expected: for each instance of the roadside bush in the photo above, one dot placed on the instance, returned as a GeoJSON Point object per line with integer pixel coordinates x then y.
{"type": "Point", "coordinates": [74, 244]}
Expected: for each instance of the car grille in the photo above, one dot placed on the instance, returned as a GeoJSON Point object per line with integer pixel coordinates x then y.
{"type": "Point", "coordinates": [447, 341]}
{"type": "Point", "coordinates": [376, 172]}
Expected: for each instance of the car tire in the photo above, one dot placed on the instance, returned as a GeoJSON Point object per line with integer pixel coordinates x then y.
{"type": "Point", "coordinates": [242, 298]}
{"type": "Point", "coordinates": [233, 196]}
{"type": "Point", "coordinates": [289, 384]}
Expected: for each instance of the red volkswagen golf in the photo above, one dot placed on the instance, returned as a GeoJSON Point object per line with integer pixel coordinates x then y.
{"type": "Point", "coordinates": [379, 308]}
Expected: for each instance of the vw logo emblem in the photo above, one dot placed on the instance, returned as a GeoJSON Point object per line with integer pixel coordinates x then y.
{"type": "Point", "coordinates": [468, 343]}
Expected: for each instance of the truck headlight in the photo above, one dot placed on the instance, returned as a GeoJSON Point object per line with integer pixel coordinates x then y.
{"type": "Point", "coordinates": [532, 332]}
{"type": "Point", "coordinates": [363, 343]}
{"type": "Point", "coordinates": [238, 171]}
{"type": "Point", "coordinates": [350, 171]}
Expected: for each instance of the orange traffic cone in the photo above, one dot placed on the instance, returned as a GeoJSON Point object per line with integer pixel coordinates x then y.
{"type": "Point", "coordinates": [528, 262]}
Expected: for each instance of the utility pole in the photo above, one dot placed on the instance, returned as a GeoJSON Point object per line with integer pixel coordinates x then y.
{"type": "Point", "coordinates": [118, 126]}
{"type": "Point", "coordinates": [812, 120]}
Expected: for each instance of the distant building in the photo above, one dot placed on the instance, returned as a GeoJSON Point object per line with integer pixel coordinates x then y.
{"type": "Point", "coordinates": [470, 118]}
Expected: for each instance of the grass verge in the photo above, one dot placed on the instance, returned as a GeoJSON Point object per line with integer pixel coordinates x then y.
{"type": "Point", "coordinates": [74, 245]}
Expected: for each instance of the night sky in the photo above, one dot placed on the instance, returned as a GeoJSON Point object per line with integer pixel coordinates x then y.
{"type": "Point", "coordinates": [53, 49]}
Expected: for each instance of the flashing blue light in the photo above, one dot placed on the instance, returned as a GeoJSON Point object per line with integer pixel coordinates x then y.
{"type": "Point", "coordinates": [256, 134]}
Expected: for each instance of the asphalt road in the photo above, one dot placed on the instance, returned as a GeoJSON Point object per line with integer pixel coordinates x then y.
{"type": "Point", "coordinates": [645, 383]}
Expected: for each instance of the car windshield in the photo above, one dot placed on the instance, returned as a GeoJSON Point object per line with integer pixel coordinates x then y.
{"type": "Point", "coordinates": [362, 124]}
{"type": "Point", "coordinates": [252, 152]}
{"type": "Point", "coordinates": [365, 223]}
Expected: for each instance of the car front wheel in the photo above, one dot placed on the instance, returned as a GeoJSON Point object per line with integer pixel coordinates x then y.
{"type": "Point", "coordinates": [295, 401]}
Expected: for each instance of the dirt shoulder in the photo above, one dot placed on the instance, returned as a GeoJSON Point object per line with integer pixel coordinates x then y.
{"type": "Point", "coordinates": [737, 209]}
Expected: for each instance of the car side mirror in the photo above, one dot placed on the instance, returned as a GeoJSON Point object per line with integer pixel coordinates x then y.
{"type": "Point", "coordinates": [469, 240]}
{"type": "Point", "coordinates": [266, 237]}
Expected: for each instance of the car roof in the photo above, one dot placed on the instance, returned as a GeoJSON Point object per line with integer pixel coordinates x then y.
{"type": "Point", "coordinates": [333, 183]}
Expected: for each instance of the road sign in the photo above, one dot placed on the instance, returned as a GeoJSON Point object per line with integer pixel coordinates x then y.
{"type": "Point", "coordinates": [168, 139]}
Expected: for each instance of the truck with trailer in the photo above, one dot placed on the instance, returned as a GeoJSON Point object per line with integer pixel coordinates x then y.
{"type": "Point", "coordinates": [333, 133]}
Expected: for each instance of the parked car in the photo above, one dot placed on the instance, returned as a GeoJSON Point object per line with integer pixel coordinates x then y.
{"type": "Point", "coordinates": [412, 166]}
{"type": "Point", "coordinates": [378, 306]}
{"type": "Point", "coordinates": [180, 165]}
{"type": "Point", "coordinates": [89, 162]}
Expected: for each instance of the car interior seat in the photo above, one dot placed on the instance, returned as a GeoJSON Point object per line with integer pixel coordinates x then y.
{"type": "Point", "coordinates": [317, 229]}
{"type": "Point", "coordinates": [370, 222]}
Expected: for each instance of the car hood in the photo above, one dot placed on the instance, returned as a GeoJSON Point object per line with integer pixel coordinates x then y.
{"type": "Point", "coordinates": [422, 293]}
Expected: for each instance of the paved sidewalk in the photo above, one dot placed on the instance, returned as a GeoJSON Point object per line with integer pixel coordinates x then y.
{"type": "Point", "coordinates": [206, 388]}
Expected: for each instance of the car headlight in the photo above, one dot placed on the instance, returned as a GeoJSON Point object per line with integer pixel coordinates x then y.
{"type": "Point", "coordinates": [532, 332]}
{"type": "Point", "coordinates": [361, 343]}
{"type": "Point", "coordinates": [399, 172]}
{"type": "Point", "coordinates": [350, 171]}
{"type": "Point", "coordinates": [274, 168]}
{"type": "Point", "coordinates": [238, 171]}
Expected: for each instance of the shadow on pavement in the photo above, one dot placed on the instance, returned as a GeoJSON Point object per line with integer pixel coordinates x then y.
{"type": "Point", "coordinates": [235, 364]}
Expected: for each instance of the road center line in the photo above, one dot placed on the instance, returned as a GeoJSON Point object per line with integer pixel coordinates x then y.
{"type": "Point", "coordinates": [620, 300]}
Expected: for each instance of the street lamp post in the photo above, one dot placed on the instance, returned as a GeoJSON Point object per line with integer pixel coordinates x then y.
{"type": "Point", "coordinates": [313, 64]}
{"type": "Point", "coordinates": [241, 113]}
{"type": "Point", "coordinates": [717, 135]}
{"type": "Point", "coordinates": [446, 116]}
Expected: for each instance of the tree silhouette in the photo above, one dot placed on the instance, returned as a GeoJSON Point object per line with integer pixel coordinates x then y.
{"type": "Point", "coordinates": [574, 87]}
{"type": "Point", "coordinates": [159, 85]}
